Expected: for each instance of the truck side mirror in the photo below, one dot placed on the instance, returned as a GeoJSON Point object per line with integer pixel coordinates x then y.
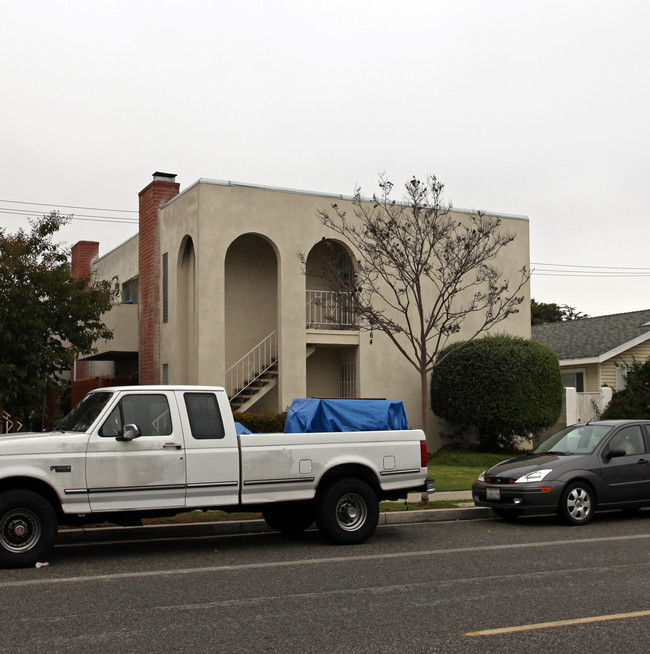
{"type": "Point", "coordinates": [129, 433]}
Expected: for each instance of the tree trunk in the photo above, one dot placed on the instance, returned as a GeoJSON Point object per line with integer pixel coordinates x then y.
{"type": "Point", "coordinates": [424, 391]}
{"type": "Point", "coordinates": [424, 398]}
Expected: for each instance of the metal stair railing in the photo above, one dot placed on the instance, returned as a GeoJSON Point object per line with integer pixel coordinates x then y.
{"type": "Point", "coordinates": [252, 365]}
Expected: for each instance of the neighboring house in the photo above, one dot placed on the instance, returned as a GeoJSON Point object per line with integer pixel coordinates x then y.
{"type": "Point", "coordinates": [594, 352]}
{"type": "Point", "coordinates": [213, 293]}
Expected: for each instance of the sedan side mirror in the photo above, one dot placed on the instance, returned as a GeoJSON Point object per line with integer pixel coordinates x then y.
{"type": "Point", "coordinates": [615, 452]}
{"type": "Point", "coordinates": [129, 433]}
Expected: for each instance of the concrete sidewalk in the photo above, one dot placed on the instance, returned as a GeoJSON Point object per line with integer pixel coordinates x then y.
{"type": "Point", "coordinates": [198, 529]}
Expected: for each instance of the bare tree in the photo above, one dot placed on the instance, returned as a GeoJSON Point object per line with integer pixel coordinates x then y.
{"type": "Point", "coordinates": [421, 272]}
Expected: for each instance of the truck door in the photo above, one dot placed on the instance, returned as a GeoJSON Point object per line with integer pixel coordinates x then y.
{"type": "Point", "coordinates": [147, 472]}
{"type": "Point", "coordinates": [212, 451]}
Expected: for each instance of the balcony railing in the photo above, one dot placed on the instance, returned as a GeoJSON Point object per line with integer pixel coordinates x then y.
{"type": "Point", "coordinates": [330, 310]}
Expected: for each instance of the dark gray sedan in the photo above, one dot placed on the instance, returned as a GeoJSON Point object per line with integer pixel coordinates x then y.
{"type": "Point", "coordinates": [584, 468]}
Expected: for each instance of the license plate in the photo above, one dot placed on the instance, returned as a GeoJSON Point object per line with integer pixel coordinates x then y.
{"type": "Point", "coordinates": [493, 493]}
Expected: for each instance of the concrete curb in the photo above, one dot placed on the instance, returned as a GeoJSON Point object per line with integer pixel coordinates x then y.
{"type": "Point", "coordinates": [199, 529]}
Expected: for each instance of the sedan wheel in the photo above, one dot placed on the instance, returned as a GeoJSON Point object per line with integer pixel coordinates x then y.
{"type": "Point", "coordinates": [577, 504]}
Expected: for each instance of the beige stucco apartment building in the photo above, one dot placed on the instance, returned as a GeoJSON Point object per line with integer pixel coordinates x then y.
{"type": "Point", "coordinates": [215, 294]}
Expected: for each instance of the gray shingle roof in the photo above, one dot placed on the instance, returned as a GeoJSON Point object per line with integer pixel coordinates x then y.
{"type": "Point", "coordinates": [591, 337]}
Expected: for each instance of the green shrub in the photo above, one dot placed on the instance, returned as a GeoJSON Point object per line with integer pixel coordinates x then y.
{"type": "Point", "coordinates": [262, 423]}
{"type": "Point", "coordinates": [633, 401]}
{"type": "Point", "coordinates": [504, 387]}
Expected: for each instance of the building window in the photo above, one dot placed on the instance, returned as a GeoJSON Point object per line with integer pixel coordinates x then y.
{"type": "Point", "coordinates": [130, 291]}
{"type": "Point", "coordinates": [165, 374]}
{"type": "Point", "coordinates": [574, 380]}
{"type": "Point", "coordinates": [165, 288]}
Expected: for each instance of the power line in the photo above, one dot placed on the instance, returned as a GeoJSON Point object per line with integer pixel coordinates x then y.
{"type": "Point", "coordinates": [70, 206]}
{"type": "Point", "coordinates": [559, 273]}
{"type": "Point", "coordinates": [575, 270]}
{"type": "Point", "coordinates": [569, 265]}
{"type": "Point", "coordinates": [77, 216]}
{"type": "Point", "coordinates": [542, 269]}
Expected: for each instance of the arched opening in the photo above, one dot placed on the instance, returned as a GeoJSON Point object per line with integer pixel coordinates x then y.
{"type": "Point", "coordinates": [186, 313]}
{"type": "Point", "coordinates": [331, 363]}
{"type": "Point", "coordinates": [251, 323]}
{"type": "Point", "coordinates": [329, 285]}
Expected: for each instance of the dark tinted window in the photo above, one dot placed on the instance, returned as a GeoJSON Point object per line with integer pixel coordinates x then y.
{"type": "Point", "coordinates": [204, 415]}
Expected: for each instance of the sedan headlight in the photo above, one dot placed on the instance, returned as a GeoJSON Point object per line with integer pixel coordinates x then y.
{"type": "Point", "coordinates": [481, 477]}
{"type": "Point", "coordinates": [537, 475]}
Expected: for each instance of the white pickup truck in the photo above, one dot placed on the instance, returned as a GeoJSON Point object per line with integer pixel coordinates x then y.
{"type": "Point", "coordinates": [125, 453]}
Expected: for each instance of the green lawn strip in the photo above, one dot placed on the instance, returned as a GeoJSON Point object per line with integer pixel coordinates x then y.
{"type": "Point", "coordinates": [456, 470]}
{"type": "Point", "coordinates": [454, 478]}
{"type": "Point", "coordinates": [424, 506]}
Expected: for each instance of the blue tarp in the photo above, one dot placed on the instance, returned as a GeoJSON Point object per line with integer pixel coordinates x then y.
{"type": "Point", "coordinates": [241, 429]}
{"type": "Point", "coordinates": [311, 415]}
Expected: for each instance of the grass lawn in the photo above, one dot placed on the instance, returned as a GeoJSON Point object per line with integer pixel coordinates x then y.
{"type": "Point", "coordinates": [455, 470]}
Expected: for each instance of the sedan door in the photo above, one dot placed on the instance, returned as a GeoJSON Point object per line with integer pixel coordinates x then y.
{"type": "Point", "coordinates": [627, 478]}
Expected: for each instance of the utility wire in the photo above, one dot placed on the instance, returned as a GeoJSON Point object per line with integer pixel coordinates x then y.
{"type": "Point", "coordinates": [70, 206]}
{"type": "Point", "coordinates": [569, 265]}
{"type": "Point", "coordinates": [537, 269]}
{"type": "Point", "coordinates": [574, 270]}
{"type": "Point", "coordinates": [77, 216]}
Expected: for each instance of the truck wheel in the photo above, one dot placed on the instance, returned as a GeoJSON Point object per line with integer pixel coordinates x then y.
{"type": "Point", "coordinates": [347, 511]}
{"type": "Point", "coordinates": [28, 529]}
{"type": "Point", "coordinates": [290, 517]}
{"type": "Point", "coordinates": [577, 504]}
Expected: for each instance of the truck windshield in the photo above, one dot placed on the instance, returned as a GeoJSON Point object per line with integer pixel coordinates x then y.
{"type": "Point", "coordinates": [85, 413]}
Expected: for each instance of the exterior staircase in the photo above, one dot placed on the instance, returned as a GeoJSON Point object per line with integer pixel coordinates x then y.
{"type": "Point", "coordinates": [254, 375]}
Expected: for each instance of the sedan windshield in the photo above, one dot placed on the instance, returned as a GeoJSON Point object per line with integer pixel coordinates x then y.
{"type": "Point", "coordinates": [578, 439]}
{"type": "Point", "coordinates": [85, 413]}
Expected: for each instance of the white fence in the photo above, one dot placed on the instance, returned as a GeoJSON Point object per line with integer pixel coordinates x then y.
{"type": "Point", "coordinates": [581, 407]}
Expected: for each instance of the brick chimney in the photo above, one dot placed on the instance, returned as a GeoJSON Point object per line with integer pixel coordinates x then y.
{"type": "Point", "coordinates": [83, 254]}
{"type": "Point", "coordinates": [162, 189]}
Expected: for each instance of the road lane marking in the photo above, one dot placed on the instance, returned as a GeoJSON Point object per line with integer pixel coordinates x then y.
{"type": "Point", "coordinates": [298, 562]}
{"type": "Point", "coordinates": [558, 623]}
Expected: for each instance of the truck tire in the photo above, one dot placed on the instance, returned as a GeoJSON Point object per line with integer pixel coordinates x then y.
{"type": "Point", "coordinates": [28, 528]}
{"type": "Point", "coordinates": [347, 511]}
{"type": "Point", "coordinates": [289, 517]}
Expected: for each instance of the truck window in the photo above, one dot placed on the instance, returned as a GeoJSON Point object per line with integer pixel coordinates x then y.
{"type": "Point", "coordinates": [204, 415]}
{"type": "Point", "coordinates": [149, 412]}
{"type": "Point", "coordinates": [85, 413]}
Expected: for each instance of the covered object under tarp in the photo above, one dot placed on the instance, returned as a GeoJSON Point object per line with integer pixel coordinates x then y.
{"type": "Point", "coordinates": [312, 415]}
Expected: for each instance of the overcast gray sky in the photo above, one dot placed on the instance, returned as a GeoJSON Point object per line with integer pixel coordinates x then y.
{"type": "Point", "coordinates": [536, 108]}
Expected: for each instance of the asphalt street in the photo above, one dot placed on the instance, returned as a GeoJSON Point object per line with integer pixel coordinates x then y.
{"type": "Point", "coordinates": [419, 587]}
